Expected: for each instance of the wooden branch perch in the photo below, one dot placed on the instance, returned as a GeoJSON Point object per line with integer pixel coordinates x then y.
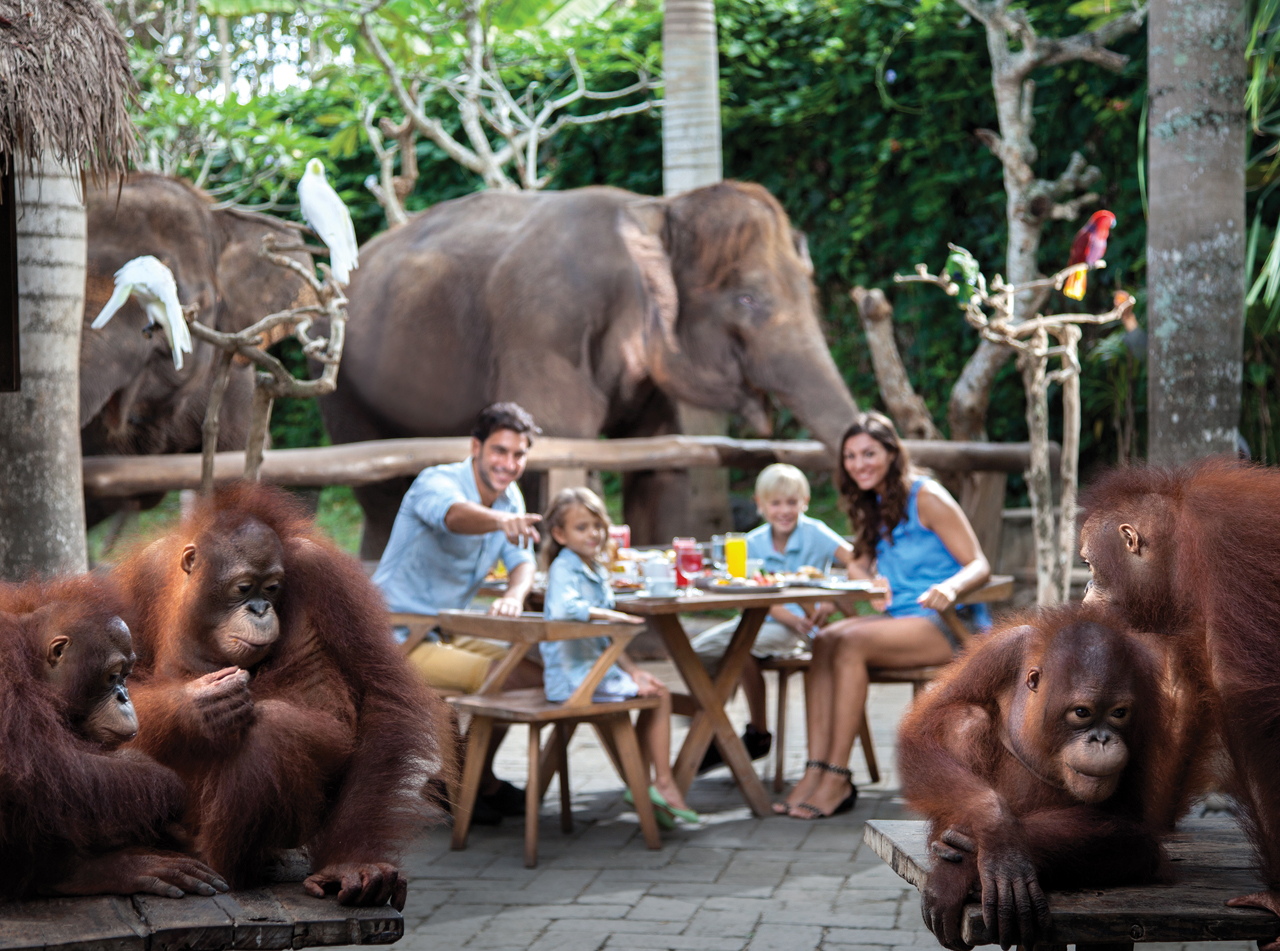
{"type": "Point", "coordinates": [276, 381]}
{"type": "Point", "coordinates": [906, 406]}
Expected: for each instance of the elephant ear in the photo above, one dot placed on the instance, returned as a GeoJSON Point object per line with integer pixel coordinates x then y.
{"type": "Point", "coordinates": [640, 226]}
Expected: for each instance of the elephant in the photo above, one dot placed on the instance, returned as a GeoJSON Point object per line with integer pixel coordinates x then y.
{"type": "Point", "coordinates": [596, 309]}
{"type": "Point", "coordinates": [132, 400]}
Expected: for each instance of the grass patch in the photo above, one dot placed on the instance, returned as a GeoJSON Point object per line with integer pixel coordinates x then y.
{"type": "Point", "coordinates": [338, 515]}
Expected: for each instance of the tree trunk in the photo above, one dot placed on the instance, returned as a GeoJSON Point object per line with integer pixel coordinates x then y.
{"type": "Point", "coordinates": [1196, 229]}
{"type": "Point", "coordinates": [691, 154]}
{"type": "Point", "coordinates": [691, 158]}
{"type": "Point", "coordinates": [41, 495]}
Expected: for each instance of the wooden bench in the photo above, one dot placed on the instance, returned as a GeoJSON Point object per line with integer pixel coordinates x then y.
{"type": "Point", "coordinates": [997, 588]}
{"type": "Point", "coordinates": [491, 705]}
{"type": "Point", "coordinates": [278, 916]}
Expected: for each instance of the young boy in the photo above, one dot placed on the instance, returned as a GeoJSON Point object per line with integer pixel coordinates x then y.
{"type": "Point", "coordinates": [787, 541]}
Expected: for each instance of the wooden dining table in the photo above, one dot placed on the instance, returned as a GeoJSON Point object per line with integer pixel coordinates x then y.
{"type": "Point", "coordinates": [706, 698]}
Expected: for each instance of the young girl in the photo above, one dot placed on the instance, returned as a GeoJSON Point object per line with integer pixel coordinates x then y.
{"type": "Point", "coordinates": [578, 589]}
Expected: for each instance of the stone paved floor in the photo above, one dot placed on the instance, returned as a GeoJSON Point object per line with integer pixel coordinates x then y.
{"type": "Point", "coordinates": [735, 882]}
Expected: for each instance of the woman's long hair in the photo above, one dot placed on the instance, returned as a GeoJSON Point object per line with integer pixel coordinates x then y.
{"type": "Point", "coordinates": [875, 516]}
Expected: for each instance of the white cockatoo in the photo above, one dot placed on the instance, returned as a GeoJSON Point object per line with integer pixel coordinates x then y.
{"type": "Point", "coordinates": [152, 283]}
{"type": "Point", "coordinates": [328, 217]}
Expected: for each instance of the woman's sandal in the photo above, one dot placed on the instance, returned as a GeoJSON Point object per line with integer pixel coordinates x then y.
{"type": "Point", "coordinates": [845, 804]}
{"type": "Point", "coordinates": [784, 808]}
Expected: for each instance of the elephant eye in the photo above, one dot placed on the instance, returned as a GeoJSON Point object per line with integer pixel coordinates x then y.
{"type": "Point", "coordinates": [746, 300]}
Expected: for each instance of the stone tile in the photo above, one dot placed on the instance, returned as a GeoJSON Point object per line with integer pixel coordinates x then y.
{"type": "Point", "coordinates": [722, 923]}
{"type": "Point", "coordinates": [651, 908]}
{"type": "Point", "coordinates": [707, 890]}
{"type": "Point", "coordinates": [617, 926]}
{"type": "Point", "coordinates": [569, 942]}
{"type": "Point", "coordinates": [848, 940]}
{"type": "Point", "coordinates": [784, 938]}
{"type": "Point", "coordinates": [675, 942]}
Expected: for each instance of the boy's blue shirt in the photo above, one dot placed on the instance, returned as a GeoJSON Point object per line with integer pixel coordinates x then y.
{"type": "Point", "coordinates": [812, 543]}
{"type": "Point", "coordinates": [573, 589]}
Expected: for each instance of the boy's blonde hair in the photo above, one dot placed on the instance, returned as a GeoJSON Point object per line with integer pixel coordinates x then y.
{"type": "Point", "coordinates": [779, 478]}
{"type": "Point", "coordinates": [566, 499]}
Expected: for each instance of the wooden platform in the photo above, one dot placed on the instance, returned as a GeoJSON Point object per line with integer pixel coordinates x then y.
{"type": "Point", "coordinates": [275, 917]}
{"type": "Point", "coordinates": [1212, 860]}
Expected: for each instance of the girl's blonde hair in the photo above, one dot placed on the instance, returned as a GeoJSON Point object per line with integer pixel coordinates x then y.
{"type": "Point", "coordinates": [566, 499]}
{"type": "Point", "coordinates": [778, 478]}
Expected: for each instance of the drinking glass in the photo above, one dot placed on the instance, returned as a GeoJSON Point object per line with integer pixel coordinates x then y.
{"type": "Point", "coordinates": [688, 564]}
{"type": "Point", "coordinates": [717, 552]}
{"type": "Point", "coordinates": [620, 535]}
{"type": "Point", "coordinates": [682, 545]}
{"type": "Point", "coordinates": [735, 554]}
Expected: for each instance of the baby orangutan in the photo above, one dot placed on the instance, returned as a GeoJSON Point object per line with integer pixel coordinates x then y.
{"type": "Point", "coordinates": [1043, 758]}
{"type": "Point", "coordinates": [78, 816]}
{"type": "Point", "coordinates": [268, 680]}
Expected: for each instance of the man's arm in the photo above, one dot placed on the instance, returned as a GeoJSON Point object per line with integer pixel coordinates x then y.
{"type": "Point", "coordinates": [519, 581]}
{"type": "Point", "coordinates": [471, 518]}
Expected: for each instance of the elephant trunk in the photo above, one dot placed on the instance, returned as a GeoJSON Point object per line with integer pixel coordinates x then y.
{"type": "Point", "coordinates": [805, 379]}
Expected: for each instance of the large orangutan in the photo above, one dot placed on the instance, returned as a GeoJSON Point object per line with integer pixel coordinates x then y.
{"type": "Point", "coordinates": [268, 679]}
{"type": "Point", "coordinates": [1048, 756]}
{"type": "Point", "coordinates": [1195, 552]}
{"type": "Point", "coordinates": [78, 817]}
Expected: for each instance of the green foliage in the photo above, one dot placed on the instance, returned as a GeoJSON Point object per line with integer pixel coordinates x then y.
{"type": "Point", "coordinates": [860, 116]}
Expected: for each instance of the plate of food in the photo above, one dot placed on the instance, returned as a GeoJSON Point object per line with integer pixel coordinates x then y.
{"type": "Point", "coordinates": [844, 584]}
{"type": "Point", "coordinates": [758, 585]}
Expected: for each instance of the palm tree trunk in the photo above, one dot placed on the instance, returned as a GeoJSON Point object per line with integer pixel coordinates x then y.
{"type": "Point", "coordinates": [692, 157]}
{"type": "Point", "coordinates": [691, 154]}
{"type": "Point", "coordinates": [1196, 230]}
{"type": "Point", "coordinates": [42, 526]}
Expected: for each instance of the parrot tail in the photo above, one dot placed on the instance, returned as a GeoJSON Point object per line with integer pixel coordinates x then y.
{"type": "Point", "coordinates": [1075, 285]}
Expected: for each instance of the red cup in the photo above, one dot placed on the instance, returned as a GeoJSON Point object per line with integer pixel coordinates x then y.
{"type": "Point", "coordinates": [688, 560]}
{"type": "Point", "coordinates": [620, 535]}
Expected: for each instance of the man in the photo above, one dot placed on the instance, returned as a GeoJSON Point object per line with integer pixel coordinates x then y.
{"type": "Point", "coordinates": [454, 524]}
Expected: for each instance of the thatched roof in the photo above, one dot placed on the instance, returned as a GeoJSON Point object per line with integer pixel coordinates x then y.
{"type": "Point", "coordinates": [65, 86]}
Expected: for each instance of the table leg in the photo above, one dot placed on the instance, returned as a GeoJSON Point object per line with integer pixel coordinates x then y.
{"type": "Point", "coordinates": [532, 798]}
{"type": "Point", "coordinates": [464, 805]}
{"type": "Point", "coordinates": [711, 697]}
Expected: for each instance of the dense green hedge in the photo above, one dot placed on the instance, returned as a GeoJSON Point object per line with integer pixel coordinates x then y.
{"type": "Point", "coordinates": [877, 184]}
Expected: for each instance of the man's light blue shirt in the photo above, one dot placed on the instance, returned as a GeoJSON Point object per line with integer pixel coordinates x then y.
{"type": "Point", "coordinates": [426, 568]}
{"type": "Point", "coordinates": [573, 589]}
{"type": "Point", "coordinates": [811, 543]}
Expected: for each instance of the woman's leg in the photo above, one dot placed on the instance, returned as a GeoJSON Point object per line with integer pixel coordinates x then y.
{"type": "Point", "coordinates": [818, 702]}
{"type": "Point", "coordinates": [654, 727]}
{"type": "Point", "coordinates": [861, 643]}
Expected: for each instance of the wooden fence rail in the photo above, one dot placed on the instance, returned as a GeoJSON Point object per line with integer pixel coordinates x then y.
{"type": "Point", "coordinates": [366, 462]}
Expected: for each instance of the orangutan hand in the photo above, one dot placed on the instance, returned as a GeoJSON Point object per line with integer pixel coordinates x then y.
{"type": "Point", "coordinates": [222, 702]}
{"type": "Point", "coordinates": [1270, 900]}
{"type": "Point", "coordinates": [134, 871]}
{"type": "Point", "coordinates": [360, 883]}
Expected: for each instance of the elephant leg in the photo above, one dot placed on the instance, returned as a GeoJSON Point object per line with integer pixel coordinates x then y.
{"type": "Point", "coordinates": [381, 502]}
{"type": "Point", "coordinates": [347, 420]}
{"type": "Point", "coordinates": [655, 503]}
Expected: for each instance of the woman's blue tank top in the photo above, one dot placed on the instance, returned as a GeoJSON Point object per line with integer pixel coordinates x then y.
{"type": "Point", "coordinates": [915, 562]}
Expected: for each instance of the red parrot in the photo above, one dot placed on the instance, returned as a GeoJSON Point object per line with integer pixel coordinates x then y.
{"type": "Point", "coordinates": [1088, 247]}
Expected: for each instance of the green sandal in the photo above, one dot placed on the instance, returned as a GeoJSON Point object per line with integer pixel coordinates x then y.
{"type": "Point", "coordinates": [664, 816]}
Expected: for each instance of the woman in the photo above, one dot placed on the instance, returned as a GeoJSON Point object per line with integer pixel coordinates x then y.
{"type": "Point", "coordinates": [912, 536]}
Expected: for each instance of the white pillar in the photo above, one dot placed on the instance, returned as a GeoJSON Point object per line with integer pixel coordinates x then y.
{"type": "Point", "coordinates": [42, 527]}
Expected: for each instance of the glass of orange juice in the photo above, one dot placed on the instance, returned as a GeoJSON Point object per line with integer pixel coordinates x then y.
{"type": "Point", "coordinates": [735, 554]}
